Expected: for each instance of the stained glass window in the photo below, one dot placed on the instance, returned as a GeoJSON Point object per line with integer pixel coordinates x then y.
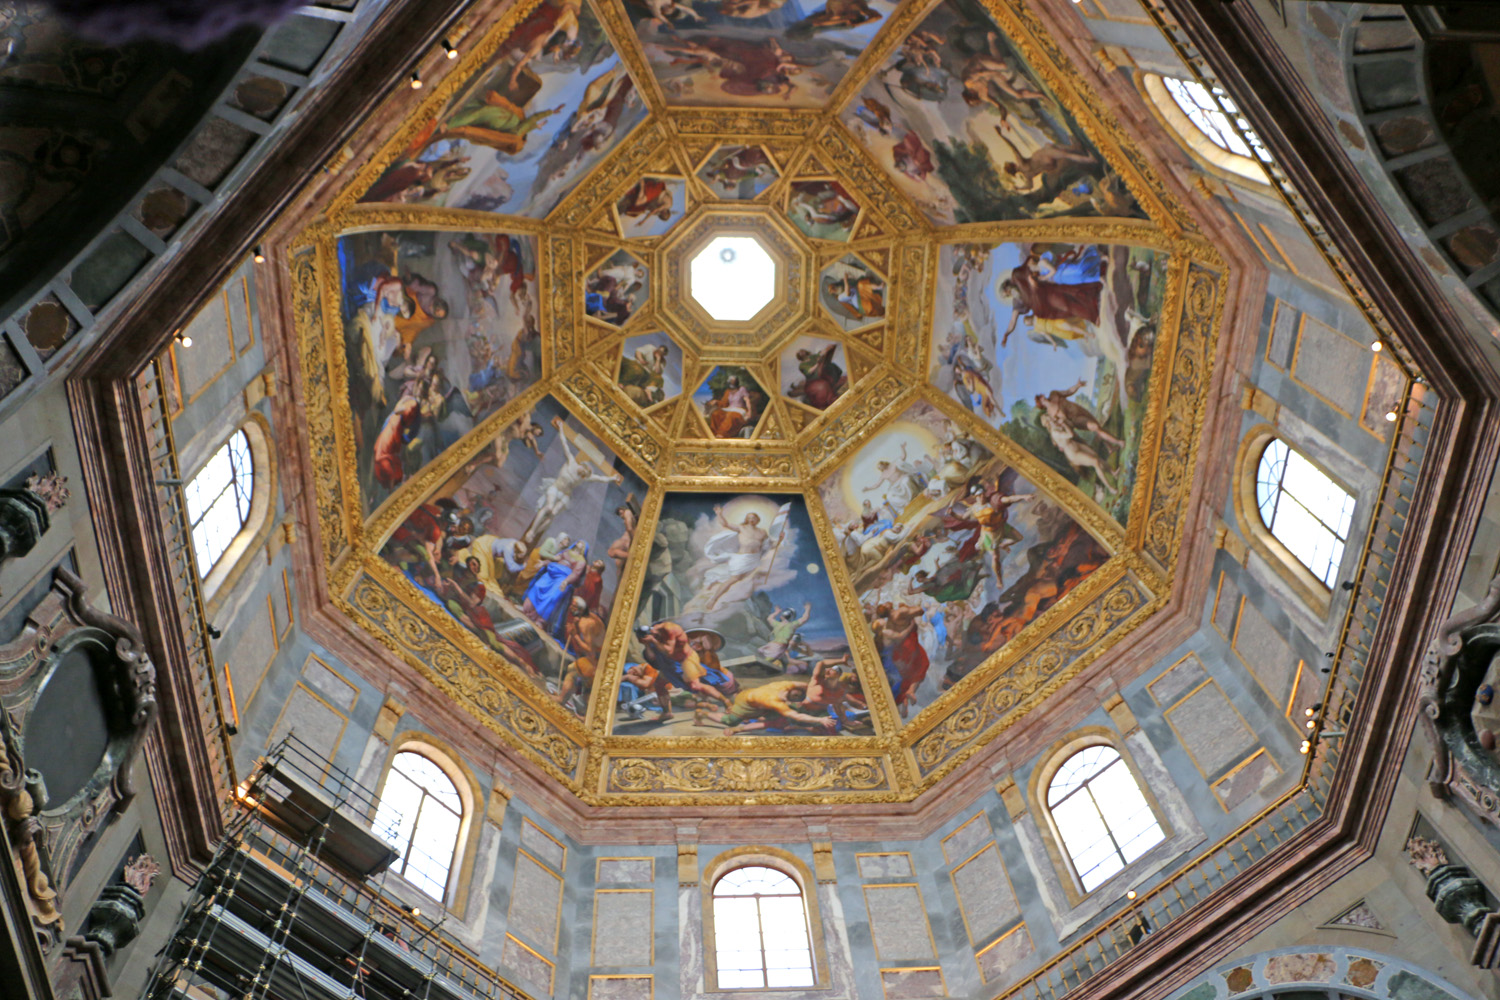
{"type": "Point", "coordinates": [1306, 511]}
{"type": "Point", "coordinates": [1104, 820]}
{"type": "Point", "coordinates": [760, 931]}
{"type": "Point", "coordinates": [419, 815]}
{"type": "Point", "coordinates": [218, 501]}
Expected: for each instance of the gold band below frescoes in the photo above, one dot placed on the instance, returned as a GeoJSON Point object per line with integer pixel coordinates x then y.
{"type": "Point", "coordinates": [792, 449]}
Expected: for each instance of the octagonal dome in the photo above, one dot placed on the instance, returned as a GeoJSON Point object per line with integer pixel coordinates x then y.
{"type": "Point", "coordinates": [819, 522]}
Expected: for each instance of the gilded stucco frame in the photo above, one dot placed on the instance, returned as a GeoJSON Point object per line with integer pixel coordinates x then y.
{"type": "Point", "coordinates": [791, 451]}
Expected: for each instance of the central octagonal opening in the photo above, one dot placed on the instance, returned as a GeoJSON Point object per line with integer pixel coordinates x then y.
{"type": "Point", "coordinates": [732, 278]}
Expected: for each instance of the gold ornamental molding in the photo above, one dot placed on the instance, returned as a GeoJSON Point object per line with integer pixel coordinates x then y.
{"type": "Point", "coordinates": [600, 287]}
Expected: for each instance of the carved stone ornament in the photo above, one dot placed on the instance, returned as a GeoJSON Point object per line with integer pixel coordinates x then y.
{"type": "Point", "coordinates": [26, 513]}
{"type": "Point", "coordinates": [77, 695]}
{"type": "Point", "coordinates": [1453, 674]}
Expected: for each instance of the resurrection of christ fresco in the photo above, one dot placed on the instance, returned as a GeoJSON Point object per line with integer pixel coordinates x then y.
{"type": "Point", "coordinates": [651, 206]}
{"type": "Point", "coordinates": [738, 173]}
{"type": "Point", "coordinates": [650, 369]}
{"type": "Point", "coordinates": [440, 330]}
{"type": "Point", "coordinates": [737, 630]}
{"type": "Point", "coordinates": [814, 372]}
{"type": "Point", "coordinates": [952, 553]}
{"type": "Point", "coordinates": [755, 53]}
{"type": "Point", "coordinates": [970, 132]}
{"type": "Point", "coordinates": [524, 546]}
{"type": "Point", "coordinates": [1052, 344]}
{"type": "Point", "coordinates": [552, 101]}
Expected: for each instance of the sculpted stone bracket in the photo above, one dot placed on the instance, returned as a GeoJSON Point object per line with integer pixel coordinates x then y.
{"type": "Point", "coordinates": [76, 667]}
{"type": "Point", "coordinates": [669, 445]}
{"type": "Point", "coordinates": [1455, 681]}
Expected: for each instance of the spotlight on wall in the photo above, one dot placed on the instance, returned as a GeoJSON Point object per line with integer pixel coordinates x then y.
{"type": "Point", "coordinates": [183, 340]}
{"type": "Point", "coordinates": [258, 255]}
{"type": "Point", "coordinates": [1376, 346]}
{"type": "Point", "coordinates": [1390, 416]}
{"type": "Point", "coordinates": [1305, 748]}
{"type": "Point", "coordinates": [449, 49]}
{"type": "Point", "coordinates": [416, 82]}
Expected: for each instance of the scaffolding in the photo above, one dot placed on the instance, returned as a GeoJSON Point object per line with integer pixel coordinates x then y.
{"type": "Point", "coordinates": [295, 903]}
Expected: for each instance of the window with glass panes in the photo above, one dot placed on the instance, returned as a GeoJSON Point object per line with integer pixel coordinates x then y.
{"type": "Point", "coordinates": [1208, 115]}
{"type": "Point", "coordinates": [419, 815]}
{"type": "Point", "coordinates": [761, 936]}
{"type": "Point", "coordinates": [218, 501]}
{"type": "Point", "coordinates": [1104, 820]}
{"type": "Point", "coordinates": [1306, 511]}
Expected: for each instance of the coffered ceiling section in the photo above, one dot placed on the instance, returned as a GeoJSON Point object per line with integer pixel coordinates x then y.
{"type": "Point", "coordinates": [753, 398]}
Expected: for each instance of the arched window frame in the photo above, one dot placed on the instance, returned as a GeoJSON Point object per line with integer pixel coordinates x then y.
{"type": "Point", "coordinates": [791, 866]}
{"type": "Point", "coordinates": [461, 869]}
{"type": "Point", "coordinates": [1307, 586]}
{"type": "Point", "coordinates": [232, 564]}
{"type": "Point", "coordinates": [1041, 783]}
{"type": "Point", "coordinates": [1218, 160]}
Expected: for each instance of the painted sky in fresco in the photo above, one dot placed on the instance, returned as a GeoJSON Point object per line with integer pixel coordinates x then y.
{"type": "Point", "coordinates": [548, 106]}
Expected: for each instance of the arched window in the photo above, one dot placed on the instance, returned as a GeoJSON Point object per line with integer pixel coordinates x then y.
{"type": "Point", "coordinates": [1104, 820]}
{"type": "Point", "coordinates": [760, 926]}
{"type": "Point", "coordinates": [219, 499]}
{"type": "Point", "coordinates": [1190, 109]}
{"type": "Point", "coordinates": [420, 815]}
{"type": "Point", "coordinates": [1304, 509]}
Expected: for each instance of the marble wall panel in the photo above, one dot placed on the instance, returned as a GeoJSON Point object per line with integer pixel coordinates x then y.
{"type": "Point", "coordinates": [621, 987]}
{"type": "Point", "coordinates": [1240, 784]}
{"type": "Point", "coordinates": [1265, 652]}
{"type": "Point", "coordinates": [1004, 961]}
{"type": "Point", "coordinates": [898, 923]}
{"type": "Point", "coordinates": [624, 871]}
{"type": "Point", "coordinates": [967, 839]}
{"type": "Point", "coordinates": [543, 845]}
{"type": "Point", "coordinates": [1331, 365]}
{"type": "Point", "coordinates": [1178, 679]}
{"type": "Point", "coordinates": [1211, 730]}
{"type": "Point", "coordinates": [912, 984]}
{"type": "Point", "coordinates": [535, 903]}
{"type": "Point", "coordinates": [329, 684]}
{"type": "Point", "coordinates": [984, 895]}
{"type": "Point", "coordinates": [624, 933]}
{"type": "Point", "coordinates": [873, 866]}
{"type": "Point", "coordinates": [532, 970]}
{"type": "Point", "coordinates": [312, 719]}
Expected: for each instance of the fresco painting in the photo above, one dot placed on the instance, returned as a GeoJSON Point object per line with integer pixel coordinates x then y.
{"type": "Point", "coordinates": [731, 401]}
{"type": "Point", "coordinates": [737, 631]}
{"type": "Point", "coordinates": [651, 207]}
{"type": "Point", "coordinates": [738, 173]}
{"type": "Point", "coordinates": [852, 293]}
{"type": "Point", "coordinates": [1052, 344]}
{"type": "Point", "coordinates": [549, 105]}
{"type": "Point", "coordinates": [952, 552]}
{"type": "Point", "coordinates": [616, 289]}
{"type": "Point", "coordinates": [650, 369]}
{"type": "Point", "coordinates": [968, 130]}
{"type": "Point", "coordinates": [814, 372]}
{"type": "Point", "coordinates": [524, 546]}
{"type": "Point", "coordinates": [440, 330]}
{"type": "Point", "coordinates": [758, 53]}
{"type": "Point", "coordinates": [822, 209]}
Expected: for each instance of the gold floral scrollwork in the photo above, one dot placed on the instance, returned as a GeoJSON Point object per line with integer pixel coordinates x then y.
{"type": "Point", "coordinates": [1031, 678]}
{"type": "Point", "coordinates": [318, 409]}
{"type": "Point", "coordinates": [710, 463]}
{"type": "Point", "coordinates": [848, 429]}
{"type": "Point", "coordinates": [838, 150]}
{"type": "Point", "coordinates": [1192, 367]}
{"type": "Point", "coordinates": [734, 123]}
{"type": "Point", "coordinates": [626, 428]}
{"type": "Point", "coordinates": [745, 774]}
{"type": "Point", "coordinates": [456, 672]}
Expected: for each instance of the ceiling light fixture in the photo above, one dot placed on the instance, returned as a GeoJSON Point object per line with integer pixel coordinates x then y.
{"type": "Point", "coordinates": [258, 255]}
{"type": "Point", "coordinates": [449, 49]}
{"type": "Point", "coordinates": [416, 82]}
{"type": "Point", "coordinates": [183, 339]}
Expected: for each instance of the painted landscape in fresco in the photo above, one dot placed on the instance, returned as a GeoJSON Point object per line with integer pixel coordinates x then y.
{"type": "Point", "coordinates": [650, 369]}
{"type": "Point", "coordinates": [440, 330]}
{"type": "Point", "coordinates": [952, 553]}
{"type": "Point", "coordinates": [1053, 344]}
{"type": "Point", "coordinates": [766, 53]}
{"type": "Point", "coordinates": [969, 131]}
{"type": "Point", "coordinates": [551, 103]}
{"type": "Point", "coordinates": [814, 371]}
{"type": "Point", "coordinates": [737, 630]}
{"type": "Point", "coordinates": [524, 546]}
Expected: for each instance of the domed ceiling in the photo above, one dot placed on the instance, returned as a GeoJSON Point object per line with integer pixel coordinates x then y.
{"type": "Point", "coordinates": [753, 397]}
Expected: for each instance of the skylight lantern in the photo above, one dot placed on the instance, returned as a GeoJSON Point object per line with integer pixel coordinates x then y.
{"type": "Point", "coordinates": [732, 278]}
